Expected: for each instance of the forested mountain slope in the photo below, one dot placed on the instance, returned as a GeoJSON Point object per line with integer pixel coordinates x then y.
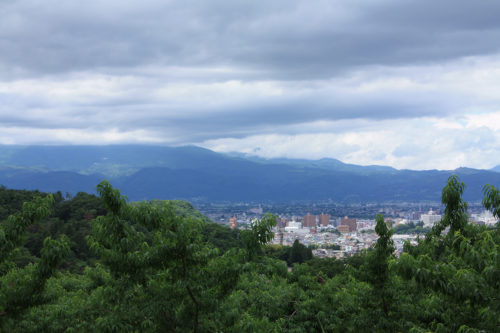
{"type": "Point", "coordinates": [193, 173]}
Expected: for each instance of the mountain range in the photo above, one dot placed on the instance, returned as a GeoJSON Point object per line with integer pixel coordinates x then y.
{"type": "Point", "coordinates": [158, 172]}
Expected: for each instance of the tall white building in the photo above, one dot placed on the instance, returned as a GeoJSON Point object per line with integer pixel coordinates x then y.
{"type": "Point", "coordinates": [430, 218]}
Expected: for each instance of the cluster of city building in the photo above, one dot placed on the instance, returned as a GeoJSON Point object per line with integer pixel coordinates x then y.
{"type": "Point", "coordinates": [343, 236]}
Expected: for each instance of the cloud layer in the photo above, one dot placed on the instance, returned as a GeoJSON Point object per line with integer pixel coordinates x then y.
{"type": "Point", "coordinates": [412, 85]}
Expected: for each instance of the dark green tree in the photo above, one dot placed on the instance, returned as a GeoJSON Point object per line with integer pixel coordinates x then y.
{"type": "Point", "coordinates": [299, 253]}
{"type": "Point", "coordinates": [258, 235]}
{"type": "Point", "coordinates": [22, 288]}
{"type": "Point", "coordinates": [456, 274]}
{"type": "Point", "coordinates": [381, 300]}
{"type": "Point", "coordinates": [491, 200]}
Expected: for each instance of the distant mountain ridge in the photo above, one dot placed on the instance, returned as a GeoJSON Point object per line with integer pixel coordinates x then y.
{"type": "Point", "coordinates": [111, 161]}
{"type": "Point", "coordinates": [194, 173]}
{"type": "Point", "coordinates": [324, 163]}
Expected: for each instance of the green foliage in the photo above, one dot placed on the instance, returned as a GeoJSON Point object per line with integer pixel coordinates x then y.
{"type": "Point", "coordinates": [67, 217]}
{"type": "Point", "coordinates": [491, 200]}
{"type": "Point", "coordinates": [411, 228]}
{"type": "Point", "coordinates": [22, 288]}
{"type": "Point", "coordinates": [455, 213]}
{"type": "Point", "coordinates": [160, 267]}
{"type": "Point", "coordinates": [11, 201]}
{"type": "Point", "coordinates": [378, 260]}
{"type": "Point", "coordinates": [380, 301]}
{"type": "Point", "coordinates": [278, 252]}
{"type": "Point", "coordinates": [457, 274]}
{"type": "Point", "coordinates": [328, 267]}
{"type": "Point", "coordinates": [169, 269]}
{"type": "Point", "coordinates": [330, 246]}
{"type": "Point", "coordinates": [299, 253]}
{"type": "Point", "coordinates": [221, 237]}
{"type": "Point", "coordinates": [259, 234]}
{"type": "Point", "coordinates": [13, 229]}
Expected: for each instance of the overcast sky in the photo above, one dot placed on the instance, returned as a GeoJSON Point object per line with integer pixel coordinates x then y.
{"type": "Point", "coordinates": [410, 84]}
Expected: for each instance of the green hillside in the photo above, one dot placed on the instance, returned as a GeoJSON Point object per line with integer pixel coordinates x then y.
{"type": "Point", "coordinates": [107, 265]}
{"type": "Point", "coordinates": [193, 173]}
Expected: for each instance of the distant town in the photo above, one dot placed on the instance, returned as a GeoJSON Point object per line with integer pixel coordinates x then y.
{"type": "Point", "coordinates": [334, 230]}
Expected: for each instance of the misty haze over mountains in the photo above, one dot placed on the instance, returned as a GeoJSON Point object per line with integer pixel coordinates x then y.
{"type": "Point", "coordinates": [157, 172]}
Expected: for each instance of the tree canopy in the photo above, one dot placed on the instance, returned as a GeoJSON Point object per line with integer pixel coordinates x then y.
{"type": "Point", "coordinates": [107, 265]}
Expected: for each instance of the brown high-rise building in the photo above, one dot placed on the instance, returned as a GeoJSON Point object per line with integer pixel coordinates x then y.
{"type": "Point", "coordinates": [232, 222]}
{"type": "Point", "coordinates": [324, 220]}
{"type": "Point", "coordinates": [343, 228]}
{"type": "Point", "coordinates": [309, 221]}
{"type": "Point", "coordinates": [353, 226]}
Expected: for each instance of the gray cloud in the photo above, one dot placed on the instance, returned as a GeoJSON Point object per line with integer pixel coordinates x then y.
{"type": "Point", "coordinates": [195, 121]}
{"type": "Point", "coordinates": [285, 40]}
{"type": "Point", "coordinates": [194, 71]}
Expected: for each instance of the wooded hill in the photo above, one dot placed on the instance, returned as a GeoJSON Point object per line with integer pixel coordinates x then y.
{"type": "Point", "coordinates": [112, 266]}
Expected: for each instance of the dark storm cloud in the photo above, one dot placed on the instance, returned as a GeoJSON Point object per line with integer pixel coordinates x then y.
{"type": "Point", "coordinates": [283, 39]}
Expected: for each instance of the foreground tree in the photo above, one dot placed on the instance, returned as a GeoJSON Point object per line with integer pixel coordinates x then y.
{"type": "Point", "coordinates": [381, 299]}
{"type": "Point", "coordinates": [157, 271]}
{"type": "Point", "coordinates": [259, 234]}
{"type": "Point", "coordinates": [457, 273]}
{"type": "Point", "coordinates": [22, 288]}
{"type": "Point", "coordinates": [158, 265]}
{"type": "Point", "coordinates": [491, 200]}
